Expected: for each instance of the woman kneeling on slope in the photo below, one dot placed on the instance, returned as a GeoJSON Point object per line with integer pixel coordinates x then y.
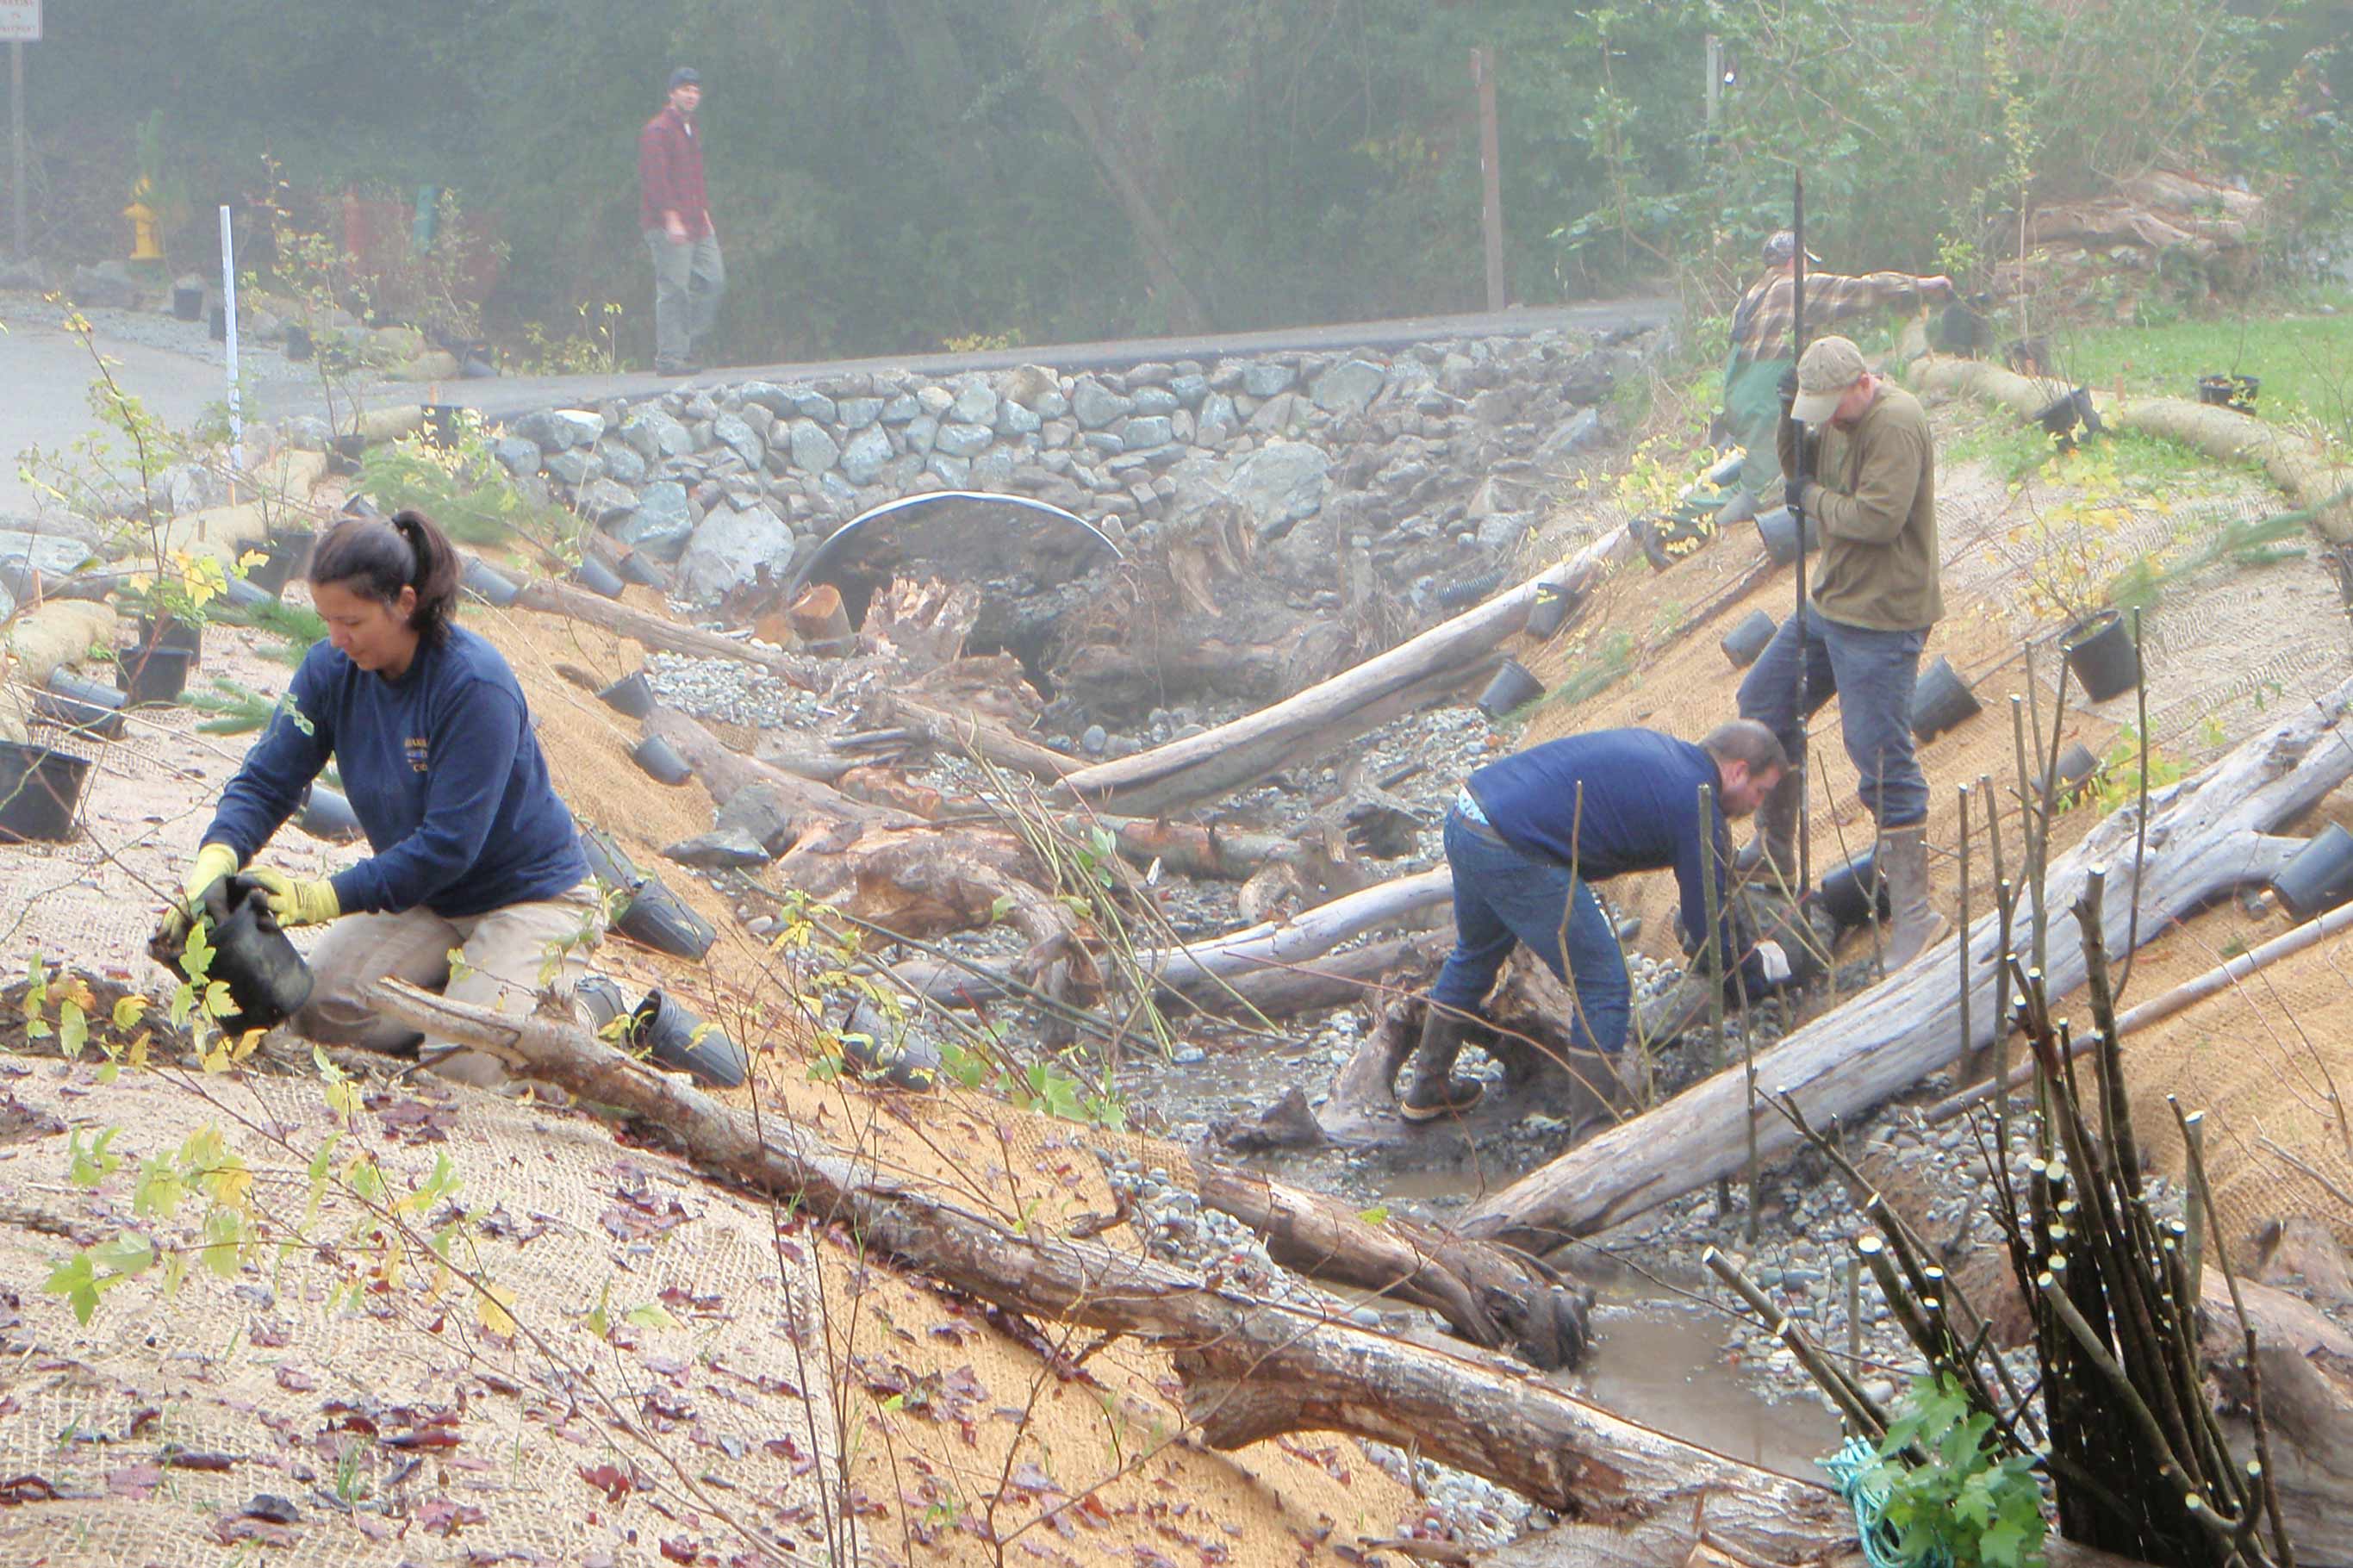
{"type": "Point", "coordinates": [473, 851]}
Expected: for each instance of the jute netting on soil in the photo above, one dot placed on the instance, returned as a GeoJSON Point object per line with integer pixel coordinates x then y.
{"type": "Point", "coordinates": [2270, 1061]}
{"type": "Point", "coordinates": [400, 1427]}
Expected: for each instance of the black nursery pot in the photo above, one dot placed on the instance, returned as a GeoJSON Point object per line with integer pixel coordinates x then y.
{"type": "Point", "coordinates": [2076, 764]}
{"type": "Point", "coordinates": [1941, 700]}
{"type": "Point", "coordinates": [598, 578]}
{"type": "Point", "coordinates": [633, 694]}
{"type": "Point", "coordinates": [1550, 611]}
{"type": "Point", "coordinates": [267, 978]}
{"type": "Point", "coordinates": [298, 342]}
{"type": "Point", "coordinates": [2102, 656]}
{"type": "Point", "coordinates": [154, 675]}
{"type": "Point", "coordinates": [1743, 642]}
{"type": "Point", "coordinates": [2236, 392]}
{"type": "Point", "coordinates": [2320, 877]}
{"type": "Point", "coordinates": [82, 705]}
{"type": "Point", "coordinates": [656, 918]}
{"type": "Point", "coordinates": [283, 555]}
{"type": "Point", "coordinates": [1511, 687]}
{"type": "Point", "coordinates": [666, 1028]}
{"type": "Point", "coordinates": [40, 790]}
{"type": "Point", "coordinates": [170, 632]}
{"type": "Point", "coordinates": [188, 303]}
{"type": "Point", "coordinates": [659, 761]}
{"type": "Point", "coordinates": [444, 423]}
{"type": "Point", "coordinates": [608, 862]}
{"type": "Point", "coordinates": [639, 567]}
{"type": "Point", "coordinates": [1780, 534]}
{"type": "Point", "coordinates": [1853, 893]}
{"type": "Point", "coordinates": [481, 581]}
{"type": "Point", "coordinates": [327, 815]}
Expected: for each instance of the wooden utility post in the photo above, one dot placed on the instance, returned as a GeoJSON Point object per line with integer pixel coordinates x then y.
{"type": "Point", "coordinates": [20, 23]}
{"type": "Point", "coordinates": [1715, 80]}
{"type": "Point", "coordinates": [1491, 172]}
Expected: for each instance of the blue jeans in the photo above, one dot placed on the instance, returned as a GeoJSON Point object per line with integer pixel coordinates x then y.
{"type": "Point", "coordinates": [1871, 673]}
{"type": "Point", "coordinates": [1503, 896]}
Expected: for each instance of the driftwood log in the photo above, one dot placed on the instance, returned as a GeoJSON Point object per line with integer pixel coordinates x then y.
{"type": "Point", "coordinates": [1250, 1369]}
{"type": "Point", "coordinates": [1313, 722]}
{"type": "Point", "coordinates": [551, 597]}
{"type": "Point", "coordinates": [2207, 835]}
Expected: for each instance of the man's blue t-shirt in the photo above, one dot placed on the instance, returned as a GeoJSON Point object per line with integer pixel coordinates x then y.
{"type": "Point", "coordinates": [1614, 801]}
{"type": "Point", "coordinates": [443, 772]}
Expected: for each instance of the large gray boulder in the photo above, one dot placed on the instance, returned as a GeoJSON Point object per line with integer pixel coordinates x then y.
{"type": "Point", "coordinates": [814, 451]}
{"type": "Point", "coordinates": [602, 501]}
{"type": "Point", "coordinates": [728, 550]}
{"type": "Point", "coordinates": [975, 402]}
{"type": "Point", "coordinates": [1147, 431]}
{"type": "Point", "coordinates": [1264, 378]}
{"type": "Point", "coordinates": [517, 455]}
{"type": "Point", "coordinates": [662, 522]}
{"type": "Point", "coordinates": [558, 430]}
{"type": "Point", "coordinates": [1280, 483]}
{"type": "Point", "coordinates": [51, 554]}
{"type": "Point", "coordinates": [865, 456]}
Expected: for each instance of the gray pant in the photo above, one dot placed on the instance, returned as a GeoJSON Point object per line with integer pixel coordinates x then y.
{"type": "Point", "coordinates": [1872, 674]}
{"type": "Point", "coordinates": [689, 279]}
{"type": "Point", "coordinates": [510, 956]}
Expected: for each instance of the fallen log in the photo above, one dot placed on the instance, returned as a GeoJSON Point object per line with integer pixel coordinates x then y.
{"type": "Point", "coordinates": [1336, 980]}
{"type": "Point", "coordinates": [1250, 1369]}
{"type": "Point", "coordinates": [2305, 1366]}
{"type": "Point", "coordinates": [1312, 722]}
{"type": "Point", "coordinates": [551, 597]}
{"type": "Point", "coordinates": [2207, 835]}
{"type": "Point", "coordinates": [1205, 968]}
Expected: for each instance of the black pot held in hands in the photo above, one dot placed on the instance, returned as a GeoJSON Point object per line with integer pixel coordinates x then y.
{"type": "Point", "coordinates": [1779, 532]}
{"type": "Point", "coordinates": [2101, 654]}
{"type": "Point", "coordinates": [40, 791]}
{"type": "Point", "coordinates": [2320, 877]}
{"type": "Point", "coordinates": [1941, 699]}
{"type": "Point", "coordinates": [266, 977]}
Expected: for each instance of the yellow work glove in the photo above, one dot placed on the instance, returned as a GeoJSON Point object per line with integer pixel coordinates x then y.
{"type": "Point", "coordinates": [298, 903]}
{"type": "Point", "coordinates": [212, 862]}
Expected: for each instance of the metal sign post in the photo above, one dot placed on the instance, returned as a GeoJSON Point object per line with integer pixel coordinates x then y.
{"type": "Point", "coordinates": [228, 313]}
{"type": "Point", "coordinates": [20, 23]}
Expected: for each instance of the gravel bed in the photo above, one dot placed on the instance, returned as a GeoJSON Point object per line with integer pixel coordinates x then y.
{"type": "Point", "coordinates": [735, 693]}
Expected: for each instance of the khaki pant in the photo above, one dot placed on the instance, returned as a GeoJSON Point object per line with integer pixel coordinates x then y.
{"type": "Point", "coordinates": [689, 279]}
{"type": "Point", "coordinates": [508, 956]}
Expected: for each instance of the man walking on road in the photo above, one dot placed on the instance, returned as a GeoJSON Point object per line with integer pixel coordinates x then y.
{"type": "Point", "coordinates": [675, 214]}
{"type": "Point", "coordinates": [1874, 599]}
{"type": "Point", "coordinates": [1761, 350]}
{"type": "Point", "coordinates": [1527, 837]}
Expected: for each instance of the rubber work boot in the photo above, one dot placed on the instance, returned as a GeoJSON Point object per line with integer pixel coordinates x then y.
{"type": "Point", "coordinates": [1435, 1092]}
{"type": "Point", "coordinates": [1771, 856]}
{"type": "Point", "coordinates": [1904, 863]}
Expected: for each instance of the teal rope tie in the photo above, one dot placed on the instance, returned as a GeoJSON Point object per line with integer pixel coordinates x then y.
{"type": "Point", "coordinates": [1854, 1469]}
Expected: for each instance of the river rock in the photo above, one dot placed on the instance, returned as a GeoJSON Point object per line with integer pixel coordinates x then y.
{"type": "Point", "coordinates": [1155, 400]}
{"type": "Point", "coordinates": [604, 501]}
{"type": "Point", "coordinates": [558, 430]}
{"type": "Point", "coordinates": [1264, 378]}
{"type": "Point", "coordinates": [1026, 383]}
{"type": "Point", "coordinates": [1144, 432]}
{"type": "Point", "coordinates": [975, 402]}
{"type": "Point", "coordinates": [858, 412]}
{"type": "Point", "coordinates": [728, 548]}
{"type": "Point", "coordinates": [901, 408]}
{"type": "Point", "coordinates": [1281, 483]}
{"type": "Point", "coordinates": [621, 461]}
{"type": "Point", "coordinates": [517, 455]}
{"type": "Point", "coordinates": [1017, 419]}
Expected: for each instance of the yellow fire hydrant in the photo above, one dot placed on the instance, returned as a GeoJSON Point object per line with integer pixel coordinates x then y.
{"type": "Point", "coordinates": [145, 244]}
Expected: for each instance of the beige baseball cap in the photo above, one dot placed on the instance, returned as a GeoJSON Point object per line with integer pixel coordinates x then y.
{"type": "Point", "coordinates": [1830, 366]}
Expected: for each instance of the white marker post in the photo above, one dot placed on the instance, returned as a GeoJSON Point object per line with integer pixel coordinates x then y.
{"type": "Point", "coordinates": [229, 315]}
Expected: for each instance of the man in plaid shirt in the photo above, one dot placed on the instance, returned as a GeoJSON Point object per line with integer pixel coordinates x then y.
{"type": "Point", "coordinates": [1762, 350]}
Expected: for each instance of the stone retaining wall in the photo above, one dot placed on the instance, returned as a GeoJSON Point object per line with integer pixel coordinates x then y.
{"type": "Point", "coordinates": [1435, 457]}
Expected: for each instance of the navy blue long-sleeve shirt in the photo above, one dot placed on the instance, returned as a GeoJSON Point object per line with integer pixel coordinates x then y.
{"type": "Point", "coordinates": [1639, 812]}
{"type": "Point", "coordinates": [442, 770]}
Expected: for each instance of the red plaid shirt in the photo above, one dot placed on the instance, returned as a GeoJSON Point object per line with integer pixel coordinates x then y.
{"type": "Point", "coordinates": [1761, 321]}
{"type": "Point", "coordinates": [670, 174]}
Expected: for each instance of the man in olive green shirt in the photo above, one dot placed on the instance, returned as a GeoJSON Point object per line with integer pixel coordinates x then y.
{"type": "Point", "coordinates": [1871, 489]}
